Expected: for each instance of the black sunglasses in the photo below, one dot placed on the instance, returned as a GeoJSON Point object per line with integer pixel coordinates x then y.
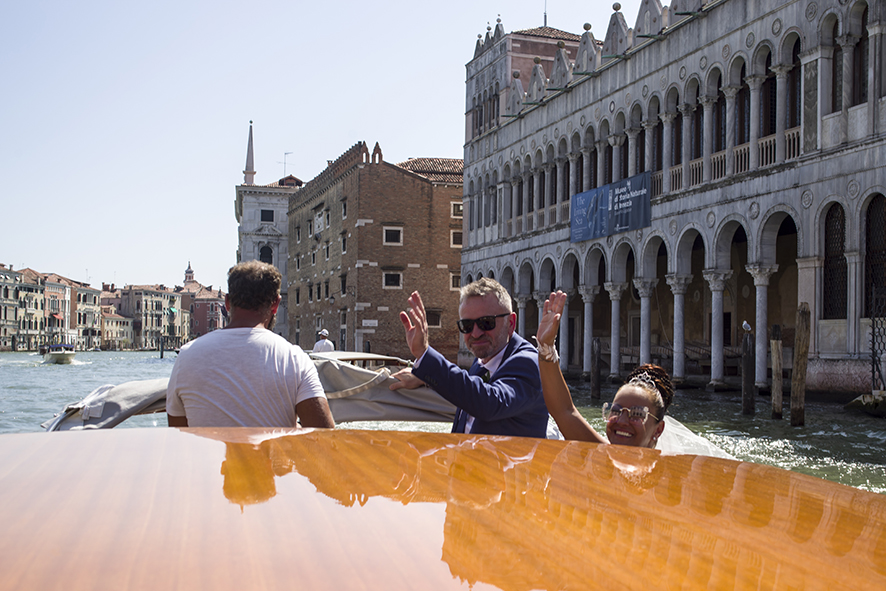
{"type": "Point", "coordinates": [466, 325]}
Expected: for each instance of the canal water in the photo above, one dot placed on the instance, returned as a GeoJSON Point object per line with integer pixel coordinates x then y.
{"type": "Point", "coordinates": [843, 446]}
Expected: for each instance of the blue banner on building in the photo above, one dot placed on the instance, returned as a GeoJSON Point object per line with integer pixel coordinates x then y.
{"type": "Point", "coordinates": [610, 209]}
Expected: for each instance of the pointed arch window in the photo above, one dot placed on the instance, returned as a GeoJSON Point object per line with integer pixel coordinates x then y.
{"type": "Point", "coordinates": [834, 279]}
{"type": "Point", "coordinates": [875, 250]}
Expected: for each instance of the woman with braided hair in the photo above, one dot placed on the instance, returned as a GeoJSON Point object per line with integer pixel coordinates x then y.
{"type": "Point", "coordinates": [636, 414]}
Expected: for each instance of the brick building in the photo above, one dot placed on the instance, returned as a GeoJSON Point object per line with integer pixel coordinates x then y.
{"type": "Point", "coordinates": [363, 235]}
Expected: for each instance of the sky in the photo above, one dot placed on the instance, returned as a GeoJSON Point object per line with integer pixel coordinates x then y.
{"type": "Point", "coordinates": [123, 125]}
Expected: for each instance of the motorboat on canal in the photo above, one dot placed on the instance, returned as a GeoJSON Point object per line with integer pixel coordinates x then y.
{"type": "Point", "coordinates": [62, 354]}
{"type": "Point", "coordinates": [209, 508]}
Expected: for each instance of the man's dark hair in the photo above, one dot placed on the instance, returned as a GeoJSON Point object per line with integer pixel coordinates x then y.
{"type": "Point", "coordinates": [253, 285]}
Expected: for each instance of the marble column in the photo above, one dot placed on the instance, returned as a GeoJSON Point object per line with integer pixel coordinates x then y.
{"type": "Point", "coordinates": [616, 141]}
{"type": "Point", "coordinates": [649, 128]}
{"type": "Point", "coordinates": [601, 162]}
{"type": "Point", "coordinates": [615, 292]}
{"type": "Point", "coordinates": [547, 200]}
{"type": "Point", "coordinates": [586, 174]}
{"type": "Point", "coordinates": [573, 177]}
{"type": "Point", "coordinates": [515, 211]}
{"type": "Point", "coordinates": [847, 44]}
{"type": "Point", "coordinates": [717, 282]}
{"type": "Point", "coordinates": [854, 300]}
{"type": "Point", "coordinates": [521, 314]}
{"type": "Point", "coordinates": [632, 134]}
{"type": "Point", "coordinates": [755, 83]}
{"type": "Point", "coordinates": [588, 293]}
{"type": "Point", "coordinates": [564, 332]}
{"type": "Point", "coordinates": [781, 108]}
{"type": "Point", "coordinates": [539, 297]}
{"type": "Point", "coordinates": [645, 287]}
{"type": "Point", "coordinates": [686, 110]}
{"type": "Point", "coordinates": [761, 275]}
{"type": "Point", "coordinates": [730, 92]}
{"type": "Point", "coordinates": [679, 284]}
{"type": "Point", "coordinates": [707, 104]}
{"type": "Point", "coordinates": [666, 155]}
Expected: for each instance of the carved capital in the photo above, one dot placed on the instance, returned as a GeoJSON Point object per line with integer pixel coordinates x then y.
{"type": "Point", "coordinates": [716, 278]}
{"type": "Point", "coordinates": [645, 287]}
{"type": "Point", "coordinates": [632, 133]}
{"type": "Point", "coordinates": [848, 41]}
{"type": "Point", "coordinates": [667, 118]}
{"type": "Point", "coordinates": [589, 292]}
{"type": "Point", "coordinates": [782, 70]}
{"type": "Point", "coordinates": [707, 102]}
{"type": "Point", "coordinates": [649, 124]}
{"type": "Point", "coordinates": [616, 140]}
{"type": "Point", "coordinates": [679, 283]}
{"type": "Point", "coordinates": [730, 92]}
{"type": "Point", "coordinates": [761, 273]}
{"type": "Point", "coordinates": [686, 109]}
{"type": "Point", "coordinates": [615, 290]}
{"type": "Point", "coordinates": [755, 82]}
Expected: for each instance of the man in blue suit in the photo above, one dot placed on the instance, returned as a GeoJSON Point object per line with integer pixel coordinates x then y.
{"type": "Point", "coordinates": [501, 394]}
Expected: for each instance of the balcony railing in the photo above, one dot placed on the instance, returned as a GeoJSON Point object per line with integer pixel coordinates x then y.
{"type": "Point", "coordinates": [742, 158]}
{"type": "Point", "coordinates": [792, 143]}
{"type": "Point", "coordinates": [767, 150]}
{"type": "Point", "coordinates": [676, 177]}
{"type": "Point", "coordinates": [718, 165]}
{"type": "Point", "coordinates": [656, 183]}
{"type": "Point", "coordinates": [564, 211]}
{"type": "Point", "coordinates": [696, 172]}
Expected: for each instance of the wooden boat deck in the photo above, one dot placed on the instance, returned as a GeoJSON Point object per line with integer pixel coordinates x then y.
{"type": "Point", "coordinates": [253, 509]}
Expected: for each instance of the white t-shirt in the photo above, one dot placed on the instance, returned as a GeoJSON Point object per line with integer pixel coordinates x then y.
{"type": "Point", "coordinates": [241, 377]}
{"type": "Point", "coordinates": [323, 346]}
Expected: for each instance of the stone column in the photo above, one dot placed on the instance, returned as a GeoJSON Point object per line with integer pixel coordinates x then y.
{"type": "Point", "coordinates": [781, 109]}
{"type": "Point", "coordinates": [645, 287]}
{"type": "Point", "coordinates": [809, 281]}
{"type": "Point", "coordinates": [632, 134]}
{"type": "Point", "coordinates": [539, 297]}
{"type": "Point", "coordinates": [601, 162]}
{"type": "Point", "coordinates": [666, 159]}
{"type": "Point", "coordinates": [761, 275]}
{"type": "Point", "coordinates": [515, 211]}
{"type": "Point", "coordinates": [649, 128]}
{"type": "Point", "coordinates": [616, 141]}
{"type": "Point", "coordinates": [564, 332]}
{"type": "Point", "coordinates": [573, 177]}
{"type": "Point", "coordinates": [679, 284]}
{"type": "Point", "coordinates": [707, 149]}
{"type": "Point", "coordinates": [847, 43]}
{"type": "Point", "coordinates": [686, 110]}
{"type": "Point", "coordinates": [586, 173]}
{"type": "Point", "coordinates": [545, 200]}
{"type": "Point", "coordinates": [528, 180]}
{"type": "Point", "coordinates": [521, 314]}
{"type": "Point", "coordinates": [755, 83]}
{"type": "Point", "coordinates": [730, 92]}
{"type": "Point", "coordinates": [854, 300]}
{"type": "Point", "coordinates": [588, 293]}
{"type": "Point", "coordinates": [615, 292]}
{"type": "Point", "coordinates": [717, 281]}
{"type": "Point", "coordinates": [875, 83]}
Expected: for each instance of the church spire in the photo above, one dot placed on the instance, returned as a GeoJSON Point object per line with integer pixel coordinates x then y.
{"type": "Point", "coordinates": [249, 173]}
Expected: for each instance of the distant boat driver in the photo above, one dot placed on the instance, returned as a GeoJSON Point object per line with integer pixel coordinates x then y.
{"type": "Point", "coordinates": [244, 375]}
{"type": "Point", "coordinates": [323, 344]}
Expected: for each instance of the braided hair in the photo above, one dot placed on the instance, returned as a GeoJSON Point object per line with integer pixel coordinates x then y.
{"type": "Point", "coordinates": [649, 375]}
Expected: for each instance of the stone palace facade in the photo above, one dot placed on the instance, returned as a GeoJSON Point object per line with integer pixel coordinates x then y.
{"type": "Point", "coordinates": [760, 125]}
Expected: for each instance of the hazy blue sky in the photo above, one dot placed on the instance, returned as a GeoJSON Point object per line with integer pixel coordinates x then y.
{"type": "Point", "coordinates": [124, 125]}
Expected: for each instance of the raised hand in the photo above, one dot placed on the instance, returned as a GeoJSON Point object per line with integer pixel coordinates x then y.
{"type": "Point", "coordinates": [415, 323]}
{"type": "Point", "coordinates": [549, 323]}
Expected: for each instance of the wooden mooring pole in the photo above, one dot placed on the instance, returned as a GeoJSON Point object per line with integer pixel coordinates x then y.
{"type": "Point", "coordinates": [747, 373]}
{"type": "Point", "coordinates": [777, 379]}
{"type": "Point", "coordinates": [798, 378]}
{"type": "Point", "coordinates": [595, 368]}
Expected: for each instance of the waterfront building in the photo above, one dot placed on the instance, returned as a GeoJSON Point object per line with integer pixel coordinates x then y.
{"type": "Point", "coordinates": [58, 292]}
{"type": "Point", "coordinates": [117, 334]}
{"type": "Point", "coordinates": [759, 128]}
{"type": "Point", "coordinates": [157, 314]}
{"type": "Point", "coordinates": [32, 305]}
{"type": "Point", "coordinates": [87, 316]}
{"type": "Point", "coordinates": [9, 310]}
{"type": "Point", "coordinates": [205, 305]}
{"type": "Point", "coordinates": [363, 235]}
{"type": "Point", "coordinates": [261, 212]}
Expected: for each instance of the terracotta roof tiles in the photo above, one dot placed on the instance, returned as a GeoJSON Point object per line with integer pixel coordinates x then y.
{"type": "Point", "coordinates": [440, 170]}
{"type": "Point", "coordinates": [549, 33]}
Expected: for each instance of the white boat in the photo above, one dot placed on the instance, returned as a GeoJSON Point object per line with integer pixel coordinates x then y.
{"type": "Point", "coordinates": [61, 354]}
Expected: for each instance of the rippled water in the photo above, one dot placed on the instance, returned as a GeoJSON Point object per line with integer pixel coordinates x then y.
{"type": "Point", "coordinates": [843, 446]}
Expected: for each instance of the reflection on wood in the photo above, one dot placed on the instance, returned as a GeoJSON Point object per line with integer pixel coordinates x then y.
{"type": "Point", "coordinates": [225, 509]}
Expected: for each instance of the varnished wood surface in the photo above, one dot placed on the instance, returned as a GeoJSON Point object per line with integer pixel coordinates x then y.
{"type": "Point", "coordinates": [248, 509]}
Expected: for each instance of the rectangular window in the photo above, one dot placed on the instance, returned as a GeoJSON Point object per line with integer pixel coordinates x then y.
{"type": "Point", "coordinates": [393, 236]}
{"type": "Point", "coordinates": [344, 244]}
{"type": "Point", "coordinates": [393, 280]}
{"type": "Point", "coordinates": [455, 238]}
{"type": "Point", "coordinates": [267, 215]}
{"type": "Point", "coordinates": [327, 251]}
{"type": "Point", "coordinates": [297, 296]}
{"type": "Point", "coordinates": [344, 209]}
{"type": "Point", "coordinates": [310, 293]}
{"type": "Point", "coordinates": [344, 284]}
{"type": "Point", "coordinates": [313, 257]}
{"type": "Point", "coordinates": [318, 292]}
{"type": "Point", "coordinates": [327, 218]}
{"type": "Point", "coordinates": [457, 209]}
{"type": "Point", "coordinates": [310, 228]}
{"type": "Point", "coordinates": [298, 233]}
{"type": "Point", "coordinates": [298, 262]}
{"type": "Point", "coordinates": [434, 318]}
{"type": "Point", "coordinates": [326, 290]}
{"type": "Point", "coordinates": [454, 281]}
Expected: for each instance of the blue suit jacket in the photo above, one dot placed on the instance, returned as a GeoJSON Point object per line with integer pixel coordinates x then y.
{"type": "Point", "coordinates": [511, 403]}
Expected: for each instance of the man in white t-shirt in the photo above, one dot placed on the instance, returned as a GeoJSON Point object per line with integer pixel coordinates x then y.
{"type": "Point", "coordinates": [323, 344]}
{"type": "Point", "coordinates": [244, 375]}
